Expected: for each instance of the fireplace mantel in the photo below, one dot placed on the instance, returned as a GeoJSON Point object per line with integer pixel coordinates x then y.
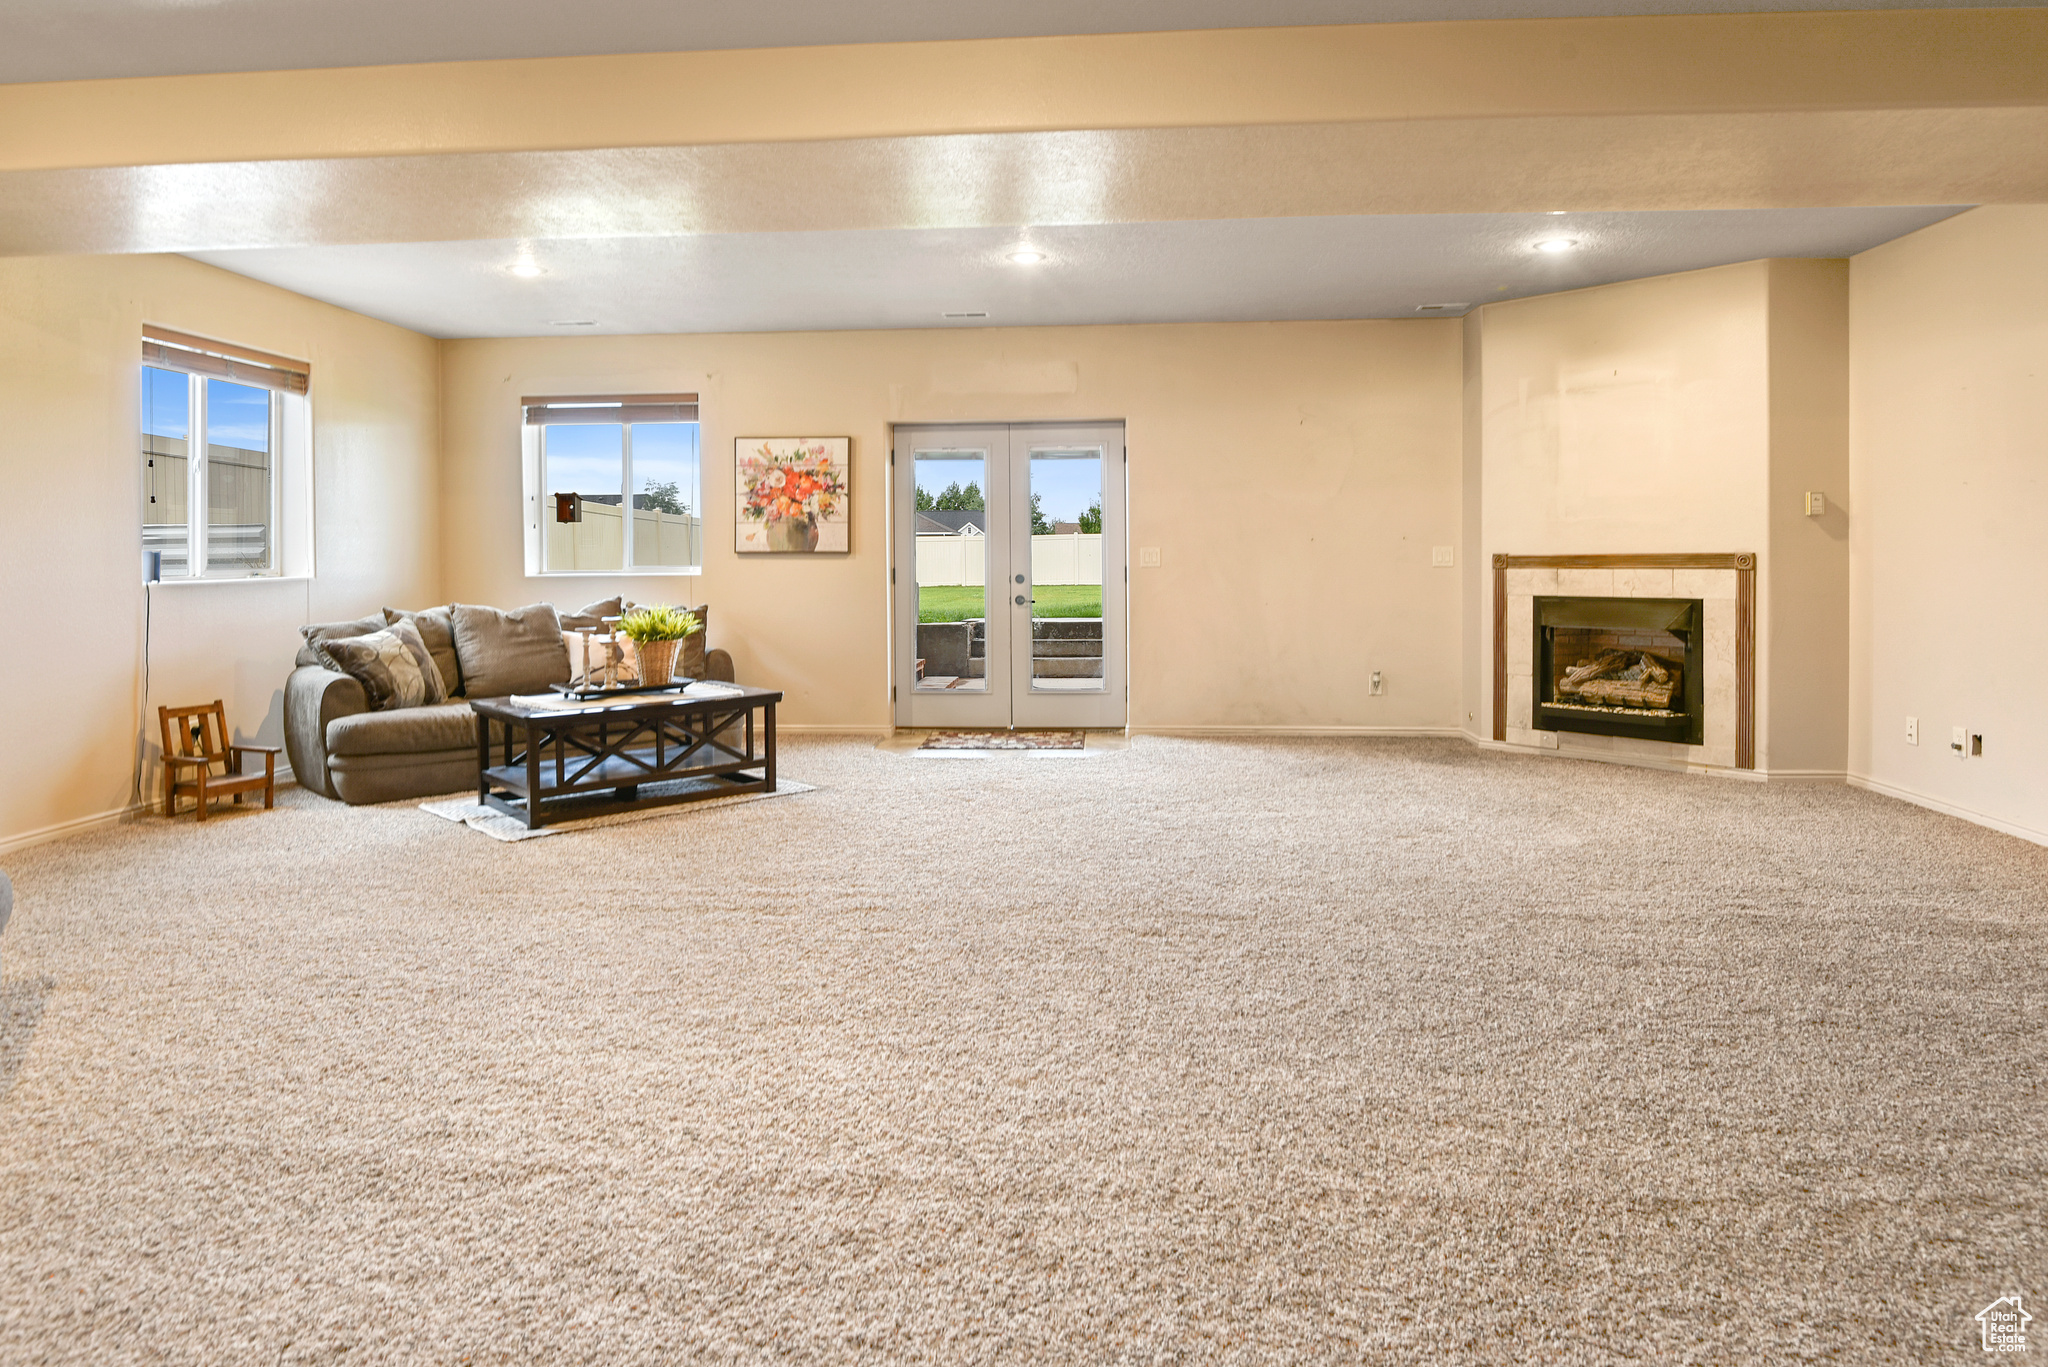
{"type": "Point", "coordinates": [1743, 563]}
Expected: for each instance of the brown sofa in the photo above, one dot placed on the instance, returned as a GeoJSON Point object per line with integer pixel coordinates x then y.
{"type": "Point", "coordinates": [341, 749]}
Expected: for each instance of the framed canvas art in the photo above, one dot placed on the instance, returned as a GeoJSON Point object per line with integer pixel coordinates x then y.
{"type": "Point", "coordinates": [792, 495]}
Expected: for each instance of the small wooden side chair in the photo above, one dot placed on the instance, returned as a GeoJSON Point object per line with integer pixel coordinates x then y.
{"type": "Point", "coordinates": [196, 739]}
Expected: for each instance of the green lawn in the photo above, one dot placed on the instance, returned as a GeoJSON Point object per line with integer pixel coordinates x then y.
{"type": "Point", "coordinates": [957, 603]}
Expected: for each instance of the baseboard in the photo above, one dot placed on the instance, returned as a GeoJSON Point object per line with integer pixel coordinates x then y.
{"type": "Point", "coordinates": [783, 728]}
{"type": "Point", "coordinates": [79, 825]}
{"type": "Point", "coordinates": [1975, 818]}
{"type": "Point", "coordinates": [1805, 775]}
{"type": "Point", "coordinates": [1300, 732]}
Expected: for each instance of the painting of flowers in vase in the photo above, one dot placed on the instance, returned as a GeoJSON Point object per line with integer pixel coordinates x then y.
{"type": "Point", "coordinates": [792, 494]}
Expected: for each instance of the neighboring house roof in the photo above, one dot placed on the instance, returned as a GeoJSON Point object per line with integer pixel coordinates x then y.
{"type": "Point", "coordinates": [1066, 529]}
{"type": "Point", "coordinates": [951, 522]}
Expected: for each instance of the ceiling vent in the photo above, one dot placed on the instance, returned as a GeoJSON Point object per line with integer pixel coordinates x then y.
{"type": "Point", "coordinates": [1441, 308]}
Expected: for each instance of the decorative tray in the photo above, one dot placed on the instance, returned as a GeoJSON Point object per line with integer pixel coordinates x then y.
{"type": "Point", "coordinates": [617, 690]}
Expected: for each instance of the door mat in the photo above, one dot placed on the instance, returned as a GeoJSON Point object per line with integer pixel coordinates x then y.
{"type": "Point", "coordinates": [1002, 740]}
{"type": "Point", "coordinates": [499, 826]}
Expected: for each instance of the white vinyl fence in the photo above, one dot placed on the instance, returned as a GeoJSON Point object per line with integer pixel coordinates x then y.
{"type": "Point", "coordinates": [596, 543]}
{"type": "Point", "coordinates": [1072, 559]}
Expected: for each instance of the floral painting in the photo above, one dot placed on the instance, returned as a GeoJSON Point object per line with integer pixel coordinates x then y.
{"type": "Point", "coordinates": [792, 494]}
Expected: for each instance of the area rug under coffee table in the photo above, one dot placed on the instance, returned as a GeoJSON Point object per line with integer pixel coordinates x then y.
{"type": "Point", "coordinates": [499, 826]}
{"type": "Point", "coordinates": [1003, 740]}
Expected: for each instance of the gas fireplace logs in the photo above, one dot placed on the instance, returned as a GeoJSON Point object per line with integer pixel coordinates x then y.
{"type": "Point", "coordinates": [1622, 678]}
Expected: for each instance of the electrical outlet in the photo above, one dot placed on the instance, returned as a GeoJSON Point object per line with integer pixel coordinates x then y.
{"type": "Point", "coordinates": [1442, 557]}
{"type": "Point", "coordinates": [1912, 730]}
{"type": "Point", "coordinates": [1148, 557]}
{"type": "Point", "coordinates": [1379, 685]}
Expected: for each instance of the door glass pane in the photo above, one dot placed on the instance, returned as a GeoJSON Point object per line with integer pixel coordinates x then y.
{"type": "Point", "coordinates": [668, 522]}
{"type": "Point", "coordinates": [952, 571]}
{"type": "Point", "coordinates": [166, 424]}
{"type": "Point", "coordinates": [587, 459]}
{"type": "Point", "coordinates": [237, 477]}
{"type": "Point", "coordinates": [1066, 571]}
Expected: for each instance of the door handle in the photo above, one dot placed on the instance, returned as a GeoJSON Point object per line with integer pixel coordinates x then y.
{"type": "Point", "coordinates": [1020, 600]}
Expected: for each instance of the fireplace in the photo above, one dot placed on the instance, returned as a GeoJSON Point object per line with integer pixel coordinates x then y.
{"type": "Point", "coordinates": [1620, 667]}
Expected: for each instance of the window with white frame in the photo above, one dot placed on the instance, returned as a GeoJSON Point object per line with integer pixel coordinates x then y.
{"type": "Point", "coordinates": [617, 485]}
{"type": "Point", "coordinates": [221, 427]}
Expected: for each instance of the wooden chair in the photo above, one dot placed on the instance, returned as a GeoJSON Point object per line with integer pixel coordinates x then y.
{"type": "Point", "coordinates": [196, 739]}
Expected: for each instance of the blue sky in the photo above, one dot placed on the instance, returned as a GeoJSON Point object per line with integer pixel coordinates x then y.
{"type": "Point", "coordinates": [238, 414]}
{"type": "Point", "coordinates": [583, 458]}
{"type": "Point", "coordinates": [1065, 487]}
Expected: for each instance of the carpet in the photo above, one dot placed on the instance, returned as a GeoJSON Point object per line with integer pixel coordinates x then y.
{"type": "Point", "coordinates": [1003, 740]}
{"type": "Point", "coordinates": [1227, 1051]}
{"type": "Point", "coordinates": [510, 829]}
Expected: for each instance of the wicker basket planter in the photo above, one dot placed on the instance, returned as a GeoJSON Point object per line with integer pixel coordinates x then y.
{"type": "Point", "coordinates": [658, 661]}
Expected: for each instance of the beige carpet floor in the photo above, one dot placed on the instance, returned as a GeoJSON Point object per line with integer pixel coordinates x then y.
{"type": "Point", "coordinates": [1234, 1052]}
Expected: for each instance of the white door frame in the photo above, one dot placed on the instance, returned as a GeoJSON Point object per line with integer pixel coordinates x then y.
{"type": "Point", "coordinates": [1010, 699]}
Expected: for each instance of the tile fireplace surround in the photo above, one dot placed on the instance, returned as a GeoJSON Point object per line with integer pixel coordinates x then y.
{"type": "Point", "coordinates": [1726, 587]}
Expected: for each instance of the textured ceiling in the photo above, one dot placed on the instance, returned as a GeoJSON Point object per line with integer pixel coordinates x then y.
{"type": "Point", "coordinates": [55, 40]}
{"type": "Point", "coordinates": [1218, 270]}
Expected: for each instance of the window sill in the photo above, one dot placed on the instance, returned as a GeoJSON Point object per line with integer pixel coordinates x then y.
{"type": "Point", "coordinates": [664, 573]}
{"type": "Point", "coordinates": [184, 583]}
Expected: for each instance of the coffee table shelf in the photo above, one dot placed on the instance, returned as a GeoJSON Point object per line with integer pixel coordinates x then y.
{"type": "Point", "coordinates": [549, 759]}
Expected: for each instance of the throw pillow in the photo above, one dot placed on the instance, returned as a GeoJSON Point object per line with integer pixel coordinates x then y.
{"type": "Point", "coordinates": [315, 633]}
{"type": "Point", "coordinates": [690, 660]}
{"type": "Point", "coordinates": [392, 666]}
{"type": "Point", "coordinates": [520, 651]}
{"type": "Point", "coordinates": [437, 629]}
{"type": "Point", "coordinates": [588, 618]}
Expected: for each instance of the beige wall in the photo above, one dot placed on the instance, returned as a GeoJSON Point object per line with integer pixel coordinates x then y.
{"type": "Point", "coordinates": [1949, 502]}
{"type": "Point", "coordinates": [1807, 584]}
{"type": "Point", "coordinates": [1345, 436]}
{"type": "Point", "coordinates": [70, 559]}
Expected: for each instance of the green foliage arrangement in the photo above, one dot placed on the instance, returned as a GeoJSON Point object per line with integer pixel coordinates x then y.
{"type": "Point", "coordinates": [658, 623]}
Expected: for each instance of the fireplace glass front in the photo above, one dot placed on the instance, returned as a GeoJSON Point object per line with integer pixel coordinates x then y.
{"type": "Point", "coordinates": [1620, 667]}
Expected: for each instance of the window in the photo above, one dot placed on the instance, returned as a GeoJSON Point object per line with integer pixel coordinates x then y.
{"type": "Point", "coordinates": [618, 486]}
{"type": "Point", "coordinates": [217, 421]}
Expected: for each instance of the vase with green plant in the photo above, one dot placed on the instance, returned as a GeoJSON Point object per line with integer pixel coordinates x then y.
{"type": "Point", "coordinates": [657, 633]}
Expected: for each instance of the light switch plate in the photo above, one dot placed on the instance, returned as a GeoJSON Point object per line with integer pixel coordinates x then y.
{"type": "Point", "coordinates": [1148, 557]}
{"type": "Point", "coordinates": [1912, 730]}
{"type": "Point", "coordinates": [1440, 557]}
{"type": "Point", "coordinates": [1816, 505]}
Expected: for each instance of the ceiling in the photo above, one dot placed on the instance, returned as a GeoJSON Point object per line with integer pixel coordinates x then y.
{"type": "Point", "coordinates": [1218, 270]}
{"type": "Point", "coordinates": [62, 40]}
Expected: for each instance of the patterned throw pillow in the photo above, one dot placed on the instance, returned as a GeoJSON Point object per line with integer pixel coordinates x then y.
{"type": "Point", "coordinates": [392, 665]}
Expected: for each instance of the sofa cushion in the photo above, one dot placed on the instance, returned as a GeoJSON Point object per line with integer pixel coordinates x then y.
{"type": "Point", "coordinates": [392, 665]}
{"type": "Point", "coordinates": [437, 628]}
{"type": "Point", "coordinates": [409, 730]}
{"type": "Point", "coordinates": [520, 651]}
{"type": "Point", "coordinates": [316, 632]}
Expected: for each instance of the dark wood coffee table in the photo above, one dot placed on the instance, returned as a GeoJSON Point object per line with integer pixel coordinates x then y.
{"type": "Point", "coordinates": [548, 755]}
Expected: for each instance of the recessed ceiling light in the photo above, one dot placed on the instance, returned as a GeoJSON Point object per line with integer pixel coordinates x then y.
{"type": "Point", "coordinates": [525, 270]}
{"type": "Point", "coordinates": [1025, 256]}
{"type": "Point", "coordinates": [1554, 245]}
{"type": "Point", "coordinates": [579, 323]}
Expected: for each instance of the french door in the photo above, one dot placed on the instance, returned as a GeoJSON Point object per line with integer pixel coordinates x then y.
{"type": "Point", "coordinates": [1009, 572]}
